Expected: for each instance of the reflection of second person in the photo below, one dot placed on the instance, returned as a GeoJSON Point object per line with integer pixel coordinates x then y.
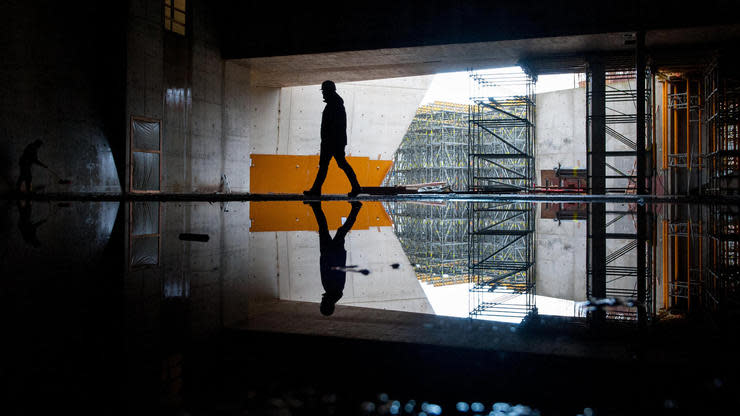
{"type": "Point", "coordinates": [333, 260]}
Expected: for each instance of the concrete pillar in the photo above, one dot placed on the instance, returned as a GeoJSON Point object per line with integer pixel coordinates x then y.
{"type": "Point", "coordinates": [597, 262]}
{"type": "Point", "coordinates": [640, 140]}
{"type": "Point", "coordinates": [598, 127]}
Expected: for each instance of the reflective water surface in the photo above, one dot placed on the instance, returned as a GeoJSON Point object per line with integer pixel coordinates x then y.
{"type": "Point", "coordinates": [196, 306]}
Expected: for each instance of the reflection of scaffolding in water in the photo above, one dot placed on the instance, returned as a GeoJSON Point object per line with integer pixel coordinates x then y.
{"type": "Point", "coordinates": [701, 260]}
{"type": "Point", "coordinates": [434, 237]}
{"type": "Point", "coordinates": [434, 147]}
{"type": "Point", "coordinates": [501, 259]}
{"type": "Point", "coordinates": [723, 266]}
{"type": "Point", "coordinates": [620, 121]}
{"type": "Point", "coordinates": [620, 245]}
{"type": "Point", "coordinates": [501, 137]}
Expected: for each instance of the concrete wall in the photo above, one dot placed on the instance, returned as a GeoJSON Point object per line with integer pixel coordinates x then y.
{"type": "Point", "coordinates": [62, 81]}
{"type": "Point", "coordinates": [205, 103]}
{"type": "Point", "coordinates": [378, 115]}
{"type": "Point", "coordinates": [561, 258]}
{"type": "Point", "coordinates": [560, 130]}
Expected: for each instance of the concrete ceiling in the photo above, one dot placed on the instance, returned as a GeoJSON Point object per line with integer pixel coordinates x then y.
{"type": "Point", "coordinates": [311, 69]}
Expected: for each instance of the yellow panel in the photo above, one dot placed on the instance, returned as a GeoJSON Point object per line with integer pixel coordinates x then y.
{"type": "Point", "coordinates": [167, 23]}
{"type": "Point", "coordinates": [180, 17]}
{"type": "Point", "coordinates": [168, 2]}
{"type": "Point", "coordinates": [178, 28]}
{"type": "Point", "coordinates": [180, 4]}
{"type": "Point", "coordinates": [291, 174]}
{"type": "Point", "coordinates": [297, 216]}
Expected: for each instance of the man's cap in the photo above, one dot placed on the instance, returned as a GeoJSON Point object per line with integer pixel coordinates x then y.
{"type": "Point", "coordinates": [328, 86]}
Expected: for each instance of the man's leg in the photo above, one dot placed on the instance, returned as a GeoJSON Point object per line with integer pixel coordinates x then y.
{"type": "Point", "coordinates": [324, 236]}
{"type": "Point", "coordinates": [324, 159]}
{"type": "Point", "coordinates": [345, 166]}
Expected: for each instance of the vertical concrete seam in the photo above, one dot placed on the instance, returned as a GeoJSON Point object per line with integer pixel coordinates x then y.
{"type": "Point", "coordinates": [279, 111]}
{"type": "Point", "coordinates": [224, 121]}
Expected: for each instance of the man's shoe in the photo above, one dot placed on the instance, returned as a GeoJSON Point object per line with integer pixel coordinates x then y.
{"type": "Point", "coordinates": [312, 192]}
{"type": "Point", "coordinates": [354, 192]}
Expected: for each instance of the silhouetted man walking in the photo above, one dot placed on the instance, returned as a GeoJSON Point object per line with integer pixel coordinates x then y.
{"type": "Point", "coordinates": [333, 140]}
{"type": "Point", "coordinates": [29, 157]}
{"type": "Point", "coordinates": [333, 260]}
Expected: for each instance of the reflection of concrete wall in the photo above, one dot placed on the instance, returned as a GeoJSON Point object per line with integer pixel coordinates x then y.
{"type": "Point", "coordinates": [210, 277]}
{"type": "Point", "coordinates": [286, 264]}
{"type": "Point", "coordinates": [561, 259]}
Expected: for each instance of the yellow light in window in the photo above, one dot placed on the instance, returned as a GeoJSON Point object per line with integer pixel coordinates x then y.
{"type": "Point", "coordinates": [180, 5]}
{"type": "Point", "coordinates": [179, 17]}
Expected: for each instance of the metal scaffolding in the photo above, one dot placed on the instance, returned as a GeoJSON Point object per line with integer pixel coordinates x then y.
{"type": "Point", "coordinates": [501, 259]}
{"type": "Point", "coordinates": [619, 148]}
{"type": "Point", "coordinates": [501, 132]}
{"type": "Point", "coordinates": [434, 237]}
{"type": "Point", "coordinates": [434, 147]}
{"type": "Point", "coordinates": [722, 121]}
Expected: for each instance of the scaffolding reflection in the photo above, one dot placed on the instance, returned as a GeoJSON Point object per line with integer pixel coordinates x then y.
{"type": "Point", "coordinates": [700, 259]}
{"type": "Point", "coordinates": [501, 259]}
{"type": "Point", "coordinates": [434, 237]}
{"type": "Point", "coordinates": [619, 249]}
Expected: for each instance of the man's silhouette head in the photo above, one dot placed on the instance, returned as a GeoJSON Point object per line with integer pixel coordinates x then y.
{"type": "Point", "coordinates": [328, 300]}
{"type": "Point", "coordinates": [327, 307]}
{"type": "Point", "coordinates": [328, 89]}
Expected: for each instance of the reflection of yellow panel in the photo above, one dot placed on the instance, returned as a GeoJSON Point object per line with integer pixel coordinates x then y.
{"type": "Point", "coordinates": [297, 216]}
{"type": "Point", "coordinates": [291, 174]}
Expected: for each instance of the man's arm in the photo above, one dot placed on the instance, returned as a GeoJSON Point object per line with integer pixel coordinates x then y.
{"type": "Point", "coordinates": [40, 163]}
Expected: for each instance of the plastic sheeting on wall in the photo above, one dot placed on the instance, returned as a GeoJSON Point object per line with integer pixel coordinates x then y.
{"type": "Point", "coordinates": [146, 135]}
{"type": "Point", "coordinates": [146, 171]}
{"type": "Point", "coordinates": [144, 251]}
{"type": "Point", "coordinates": [145, 218]}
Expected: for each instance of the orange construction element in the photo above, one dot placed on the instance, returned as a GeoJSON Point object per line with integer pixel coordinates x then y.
{"type": "Point", "coordinates": [293, 174]}
{"type": "Point", "coordinates": [297, 216]}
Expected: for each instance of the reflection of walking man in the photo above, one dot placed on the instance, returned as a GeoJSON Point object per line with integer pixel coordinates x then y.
{"type": "Point", "coordinates": [29, 157]}
{"type": "Point", "coordinates": [333, 140]}
{"type": "Point", "coordinates": [26, 226]}
{"type": "Point", "coordinates": [333, 260]}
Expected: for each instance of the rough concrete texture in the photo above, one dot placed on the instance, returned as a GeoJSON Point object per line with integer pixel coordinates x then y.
{"type": "Point", "coordinates": [560, 130]}
{"type": "Point", "coordinates": [378, 115]}
{"type": "Point", "coordinates": [65, 87]}
{"type": "Point", "coordinates": [285, 265]}
{"type": "Point", "coordinates": [203, 102]}
{"type": "Point", "coordinates": [395, 326]}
